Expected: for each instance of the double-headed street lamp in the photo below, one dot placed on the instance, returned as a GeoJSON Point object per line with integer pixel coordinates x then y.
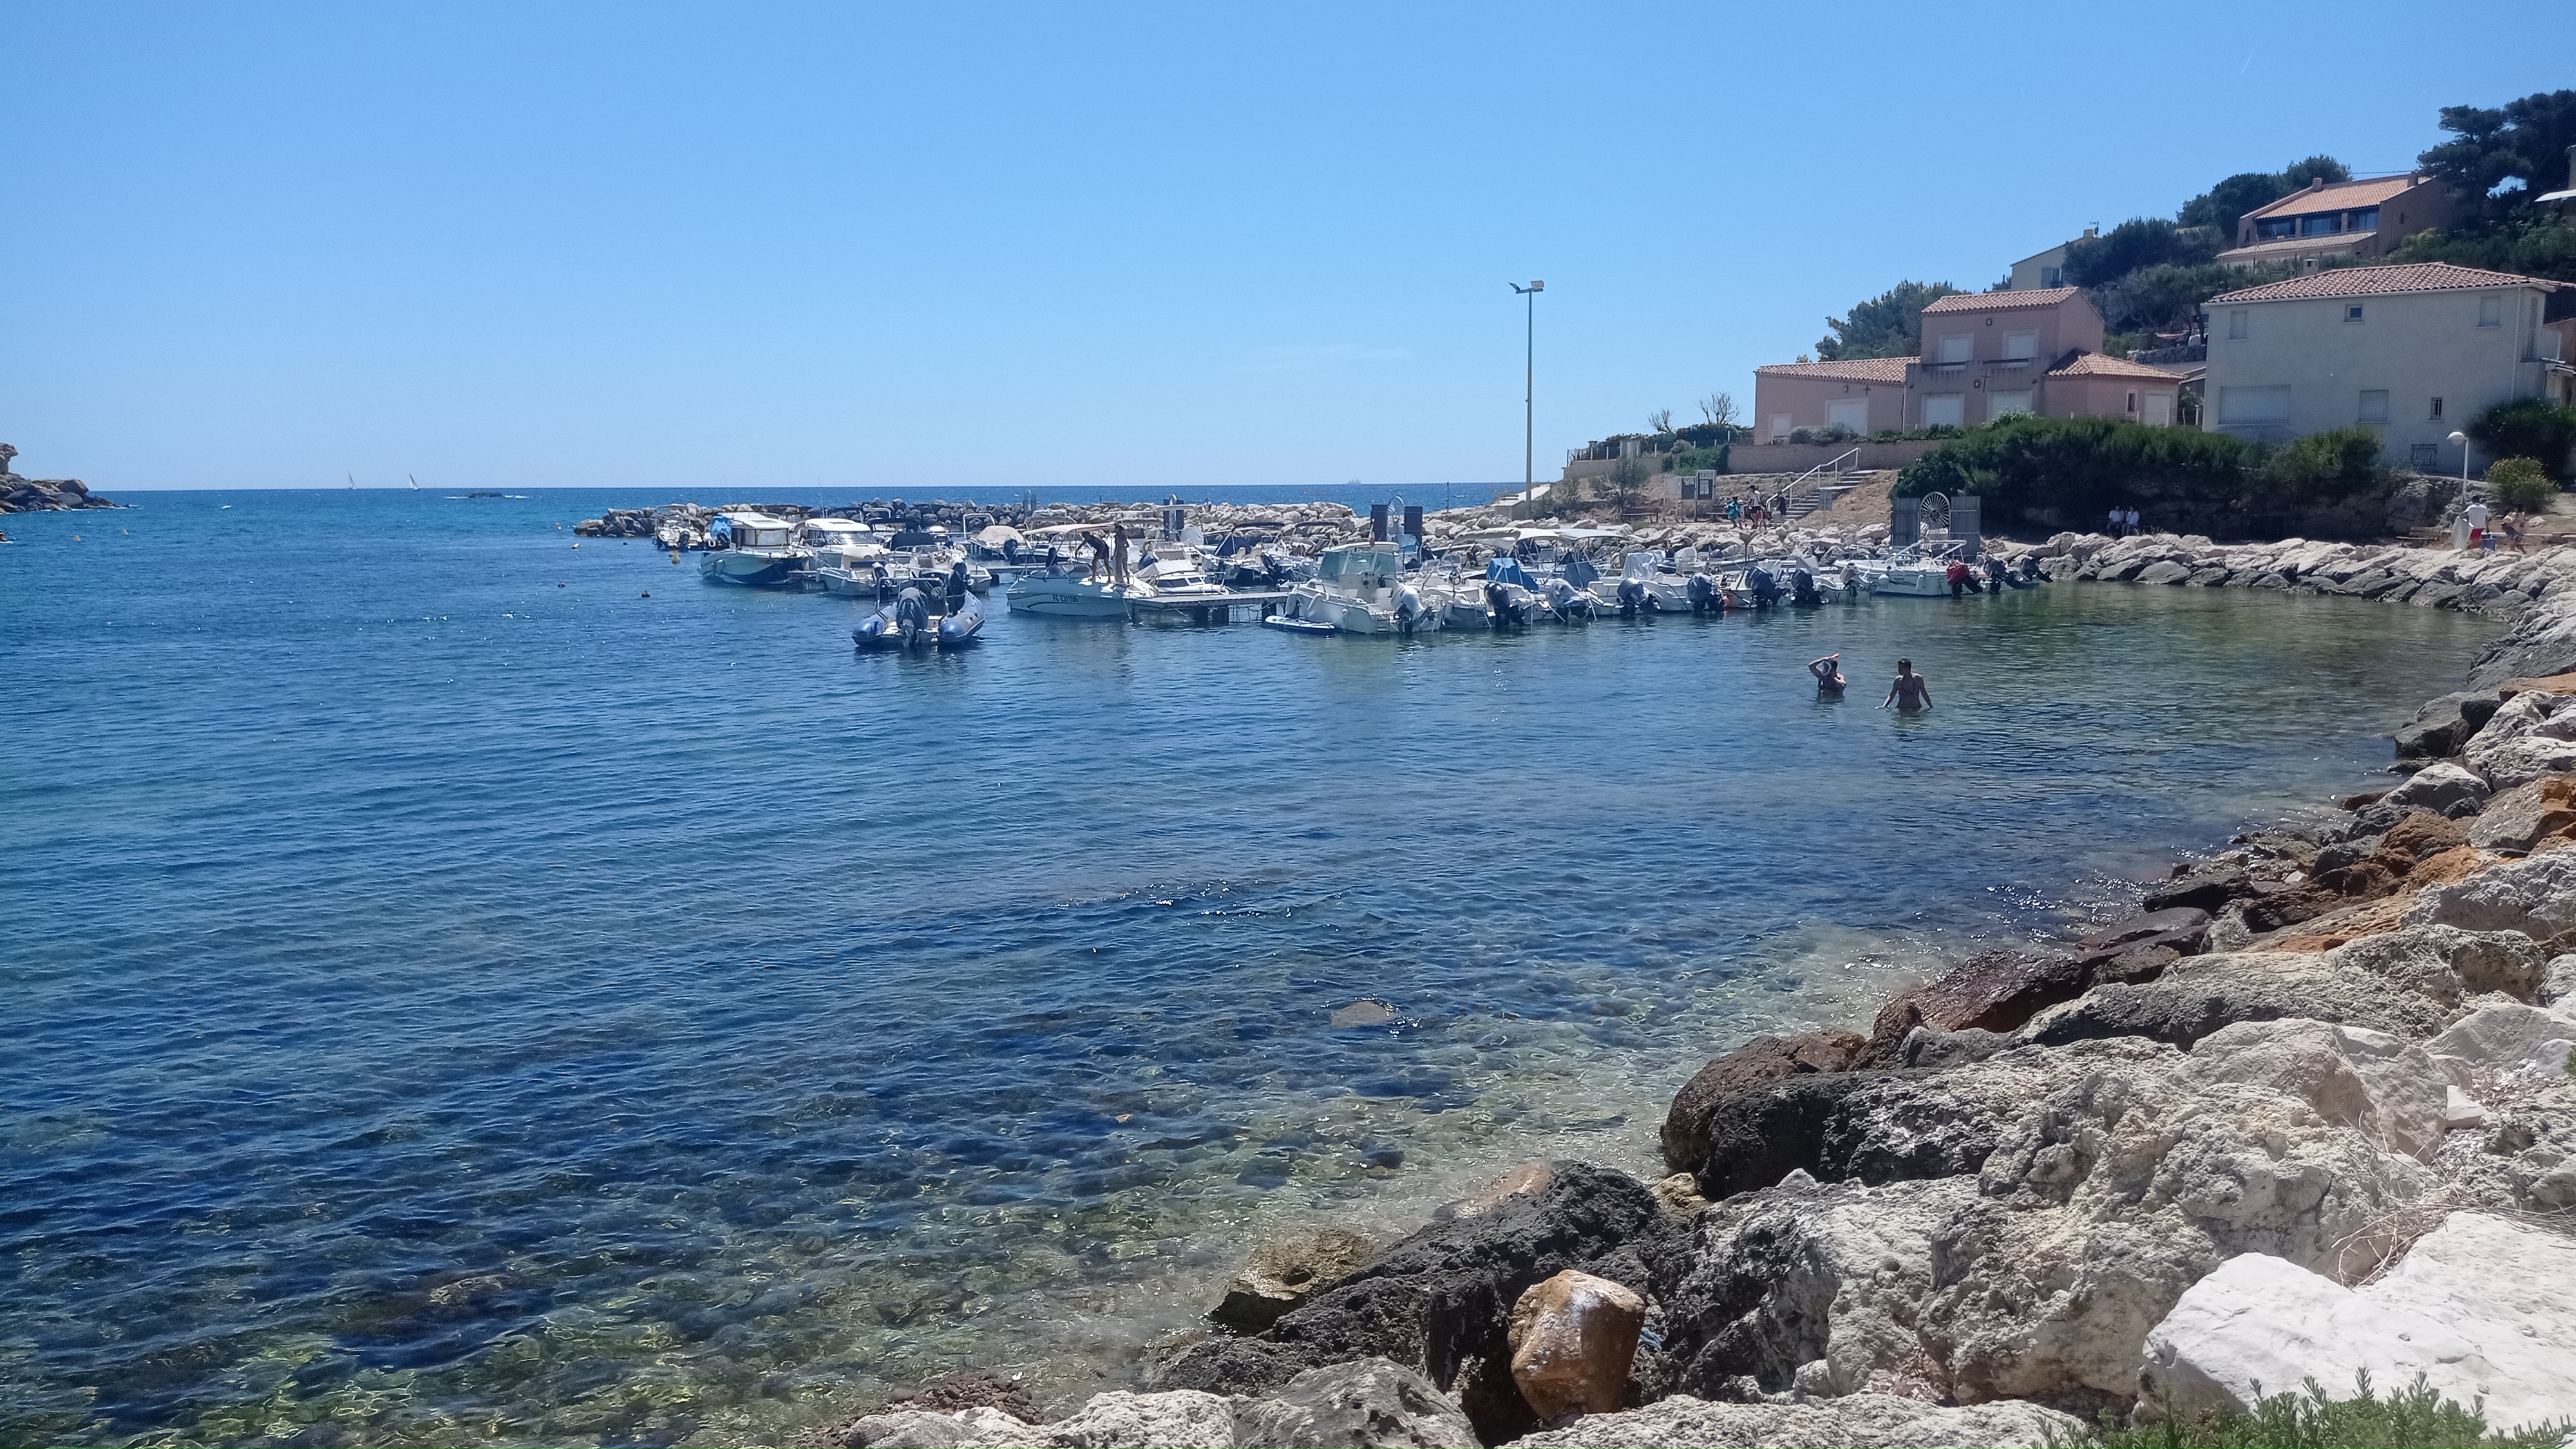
{"type": "Point", "coordinates": [1529, 391]}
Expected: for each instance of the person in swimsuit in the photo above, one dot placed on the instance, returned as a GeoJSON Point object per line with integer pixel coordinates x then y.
{"type": "Point", "coordinates": [1829, 676]}
{"type": "Point", "coordinates": [1911, 693]}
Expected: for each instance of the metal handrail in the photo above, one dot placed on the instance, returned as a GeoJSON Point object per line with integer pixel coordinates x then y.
{"type": "Point", "coordinates": [1798, 485]}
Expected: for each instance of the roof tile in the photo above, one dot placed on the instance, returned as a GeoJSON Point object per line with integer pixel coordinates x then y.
{"type": "Point", "coordinates": [1859, 369]}
{"type": "Point", "coordinates": [2340, 196]}
{"type": "Point", "coordinates": [2375, 281]}
{"type": "Point", "coordinates": [2002, 301]}
{"type": "Point", "coordinates": [2095, 364]}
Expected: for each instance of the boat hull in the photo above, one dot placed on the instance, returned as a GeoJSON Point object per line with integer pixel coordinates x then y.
{"type": "Point", "coordinates": [749, 570]}
{"type": "Point", "coordinates": [1068, 599]}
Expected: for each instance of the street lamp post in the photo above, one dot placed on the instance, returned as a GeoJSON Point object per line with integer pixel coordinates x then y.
{"type": "Point", "coordinates": [1529, 392]}
{"type": "Point", "coordinates": [2463, 440]}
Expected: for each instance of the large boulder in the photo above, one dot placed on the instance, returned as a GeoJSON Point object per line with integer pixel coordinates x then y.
{"type": "Point", "coordinates": [1368, 1404]}
{"type": "Point", "coordinates": [2444, 724]}
{"type": "Point", "coordinates": [1808, 1287]}
{"type": "Point", "coordinates": [2387, 1089]}
{"type": "Point", "coordinates": [2535, 895]}
{"type": "Point", "coordinates": [2440, 787]}
{"type": "Point", "coordinates": [1991, 991]}
{"type": "Point", "coordinates": [1573, 1337]}
{"type": "Point", "coordinates": [2409, 982]}
{"type": "Point", "coordinates": [1861, 1421]}
{"type": "Point", "coordinates": [2482, 1308]}
{"type": "Point", "coordinates": [2120, 1189]}
{"type": "Point", "coordinates": [1287, 1270]}
{"type": "Point", "coordinates": [2531, 735]}
{"type": "Point", "coordinates": [1763, 1059]}
{"type": "Point", "coordinates": [2521, 818]}
{"type": "Point", "coordinates": [1439, 1302]}
{"type": "Point", "coordinates": [2209, 889]}
{"type": "Point", "coordinates": [1181, 1419]}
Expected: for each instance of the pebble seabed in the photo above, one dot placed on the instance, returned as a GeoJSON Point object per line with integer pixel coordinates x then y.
{"type": "Point", "coordinates": [2309, 1112]}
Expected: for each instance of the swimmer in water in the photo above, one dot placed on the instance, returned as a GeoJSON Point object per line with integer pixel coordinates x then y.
{"type": "Point", "coordinates": [1829, 676]}
{"type": "Point", "coordinates": [1911, 693]}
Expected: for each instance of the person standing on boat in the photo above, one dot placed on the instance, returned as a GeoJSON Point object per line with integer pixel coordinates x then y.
{"type": "Point", "coordinates": [1118, 556]}
{"type": "Point", "coordinates": [1829, 676]}
{"type": "Point", "coordinates": [1099, 553]}
{"type": "Point", "coordinates": [1911, 693]}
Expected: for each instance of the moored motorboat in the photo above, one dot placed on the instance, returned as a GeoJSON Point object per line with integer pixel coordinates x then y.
{"type": "Point", "coordinates": [908, 623]}
{"type": "Point", "coordinates": [1064, 593]}
{"type": "Point", "coordinates": [754, 550]}
{"type": "Point", "coordinates": [1361, 588]}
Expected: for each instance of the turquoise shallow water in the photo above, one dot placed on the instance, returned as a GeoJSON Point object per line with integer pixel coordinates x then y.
{"type": "Point", "coordinates": [452, 997]}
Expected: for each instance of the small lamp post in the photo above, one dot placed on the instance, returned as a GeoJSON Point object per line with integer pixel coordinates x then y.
{"type": "Point", "coordinates": [2463, 440]}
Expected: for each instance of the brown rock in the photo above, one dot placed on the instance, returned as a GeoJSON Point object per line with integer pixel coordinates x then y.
{"type": "Point", "coordinates": [1285, 1271]}
{"type": "Point", "coordinates": [1992, 991]}
{"type": "Point", "coordinates": [1573, 1337]}
{"type": "Point", "coordinates": [1763, 1059]}
{"type": "Point", "coordinates": [2524, 816]}
{"type": "Point", "coordinates": [2419, 835]}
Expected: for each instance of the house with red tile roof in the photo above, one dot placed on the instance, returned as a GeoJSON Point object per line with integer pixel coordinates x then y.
{"type": "Point", "coordinates": [2363, 219]}
{"type": "Point", "coordinates": [2411, 352]}
{"type": "Point", "coordinates": [1985, 355]}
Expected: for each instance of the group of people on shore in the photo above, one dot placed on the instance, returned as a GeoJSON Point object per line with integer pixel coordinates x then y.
{"type": "Point", "coordinates": [2470, 530]}
{"type": "Point", "coordinates": [1910, 694]}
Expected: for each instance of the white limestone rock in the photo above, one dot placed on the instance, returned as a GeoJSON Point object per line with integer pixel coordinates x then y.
{"type": "Point", "coordinates": [2482, 1307]}
{"type": "Point", "coordinates": [2535, 895]}
{"type": "Point", "coordinates": [1859, 1421]}
{"type": "Point", "coordinates": [2438, 787]}
{"type": "Point", "coordinates": [1174, 1419]}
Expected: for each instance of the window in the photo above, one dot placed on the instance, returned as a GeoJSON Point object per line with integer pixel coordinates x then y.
{"type": "Point", "coordinates": [2133, 402]}
{"type": "Point", "coordinates": [2003, 404]}
{"type": "Point", "coordinates": [1944, 409]}
{"type": "Point", "coordinates": [2491, 311]}
{"type": "Point", "coordinates": [2318, 225]}
{"type": "Point", "coordinates": [1956, 348]}
{"type": "Point", "coordinates": [2437, 410]}
{"type": "Point", "coordinates": [2423, 455]}
{"type": "Point", "coordinates": [2020, 346]}
{"type": "Point", "coordinates": [2253, 405]}
{"type": "Point", "coordinates": [1852, 413]}
{"type": "Point", "coordinates": [2276, 228]}
{"type": "Point", "coordinates": [2352, 312]}
{"type": "Point", "coordinates": [2374, 404]}
{"type": "Point", "coordinates": [2236, 324]}
{"type": "Point", "coordinates": [2366, 219]}
{"type": "Point", "coordinates": [2052, 276]}
{"type": "Point", "coordinates": [1781, 426]}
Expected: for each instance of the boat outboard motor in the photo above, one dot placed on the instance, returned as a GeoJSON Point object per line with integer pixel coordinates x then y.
{"type": "Point", "coordinates": [1632, 597]}
{"type": "Point", "coordinates": [1996, 575]}
{"type": "Point", "coordinates": [1564, 597]}
{"type": "Point", "coordinates": [1408, 608]}
{"type": "Point", "coordinates": [1766, 589]}
{"type": "Point", "coordinates": [1498, 602]}
{"type": "Point", "coordinates": [1802, 590]}
{"type": "Point", "coordinates": [911, 613]}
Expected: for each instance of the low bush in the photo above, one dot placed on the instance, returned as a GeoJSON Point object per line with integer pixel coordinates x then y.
{"type": "Point", "coordinates": [2520, 484]}
{"type": "Point", "coordinates": [2416, 1417]}
{"type": "Point", "coordinates": [1694, 460]}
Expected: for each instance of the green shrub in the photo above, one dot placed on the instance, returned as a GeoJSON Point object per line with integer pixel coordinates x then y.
{"type": "Point", "coordinates": [2413, 1418]}
{"type": "Point", "coordinates": [2529, 428]}
{"type": "Point", "coordinates": [2520, 484]}
{"type": "Point", "coordinates": [2075, 468]}
{"type": "Point", "coordinates": [1694, 460]}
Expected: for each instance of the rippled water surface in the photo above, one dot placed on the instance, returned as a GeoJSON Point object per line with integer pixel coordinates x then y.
{"type": "Point", "coordinates": [451, 996]}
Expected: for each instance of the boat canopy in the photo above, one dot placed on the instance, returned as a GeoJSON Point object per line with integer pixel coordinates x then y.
{"type": "Point", "coordinates": [1578, 570]}
{"type": "Point", "coordinates": [1355, 561]}
{"type": "Point", "coordinates": [996, 535]}
{"type": "Point", "coordinates": [1504, 569]}
{"type": "Point", "coordinates": [1641, 564]}
{"type": "Point", "coordinates": [837, 529]}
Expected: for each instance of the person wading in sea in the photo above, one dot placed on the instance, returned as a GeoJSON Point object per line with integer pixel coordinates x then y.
{"type": "Point", "coordinates": [1911, 693]}
{"type": "Point", "coordinates": [1829, 676]}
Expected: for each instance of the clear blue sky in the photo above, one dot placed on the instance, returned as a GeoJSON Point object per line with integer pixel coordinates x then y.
{"type": "Point", "coordinates": [706, 248]}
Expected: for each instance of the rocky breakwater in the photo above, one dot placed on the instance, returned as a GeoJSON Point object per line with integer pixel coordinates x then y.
{"type": "Point", "coordinates": [2309, 1112]}
{"type": "Point", "coordinates": [2503, 582]}
{"type": "Point", "coordinates": [42, 495]}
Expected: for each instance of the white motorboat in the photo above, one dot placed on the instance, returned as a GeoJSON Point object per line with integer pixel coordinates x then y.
{"type": "Point", "coordinates": [1909, 575]}
{"type": "Point", "coordinates": [1176, 571]}
{"type": "Point", "coordinates": [1361, 588]}
{"type": "Point", "coordinates": [755, 550]}
{"type": "Point", "coordinates": [1065, 593]}
{"type": "Point", "coordinates": [1643, 587]}
{"type": "Point", "coordinates": [845, 555]}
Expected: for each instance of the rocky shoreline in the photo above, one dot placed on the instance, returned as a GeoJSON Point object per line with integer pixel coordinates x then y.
{"type": "Point", "coordinates": [2310, 1111]}
{"type": "Point", "coordinates": [43, 495]}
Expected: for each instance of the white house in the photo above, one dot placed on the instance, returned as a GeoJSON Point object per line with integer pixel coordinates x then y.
{"type": "Point", "coordinates": [2412, 351]}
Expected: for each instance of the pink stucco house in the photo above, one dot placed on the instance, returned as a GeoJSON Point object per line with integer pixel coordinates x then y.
{"type": "Point", "coordinates": [1985, 355]}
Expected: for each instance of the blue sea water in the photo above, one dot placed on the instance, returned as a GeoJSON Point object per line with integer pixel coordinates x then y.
{"type": "Point", "coordinates": [462, 987]}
